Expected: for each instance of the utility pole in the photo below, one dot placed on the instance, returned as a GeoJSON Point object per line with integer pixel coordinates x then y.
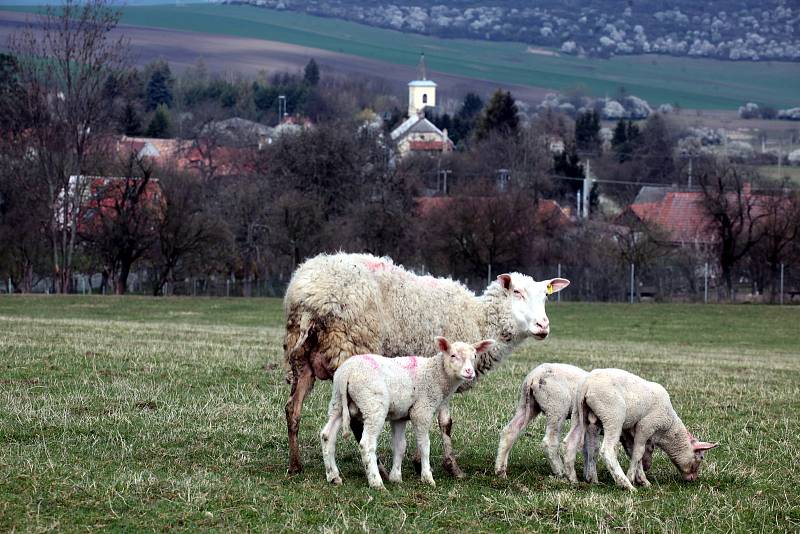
{"type": "Point", "coordinates": [281, 108]}
{"type": "Point", "coordinates": [588, 181]}
{"type": "Point", "coordinates": [444, 173]}
{"type": "Point", "coordinates": [690, 172]}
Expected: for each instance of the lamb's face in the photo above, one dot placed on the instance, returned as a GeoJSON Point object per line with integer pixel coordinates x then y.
{"type": "Point", "coordinates": [689, 464]}
{"type": "Point", "coordinates": [528, 301]}
{"type": "Point", "coordinates": [459, 356]}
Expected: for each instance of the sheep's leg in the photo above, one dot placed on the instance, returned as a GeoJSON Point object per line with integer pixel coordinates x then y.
{"type": "Point", "coordinates": [449, 460]}
{"type": "Point", "coordinates": [303, 381]}
{"type": "Point", "coordinates": [527, 410]}
{"type": "Point", "coordinates": [635, 470]}
{"type": "Point", "coordinates": [550, 443]}
{"type": "Point", "coordinates": [328, 438]}
{"type": "Point", "coordinates": [369, 445]}
{"type": "Point", "coordinates": [357, 428]}
{"type": "Point", "coordinates": [574, 440]}
{"type": "Point", "coordinates": [398, 450]}
{"type": "Point", "coordinates": [422, 431]}
{"type": "Point", "coordinates": [612, 431]}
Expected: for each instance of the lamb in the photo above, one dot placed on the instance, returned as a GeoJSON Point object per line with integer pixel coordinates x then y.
{"type": "Point", "coordinates": [401, 389]}
{"type": "Point", "coordinates": [550, 389]}
{"type": "Point", "coordinates": [616, 400]}
{"type": "Point", "coordinates": [340, 305]}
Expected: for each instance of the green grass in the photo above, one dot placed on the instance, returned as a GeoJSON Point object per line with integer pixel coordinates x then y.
{"type": "Point", "coordinates": [140, 413]}
{"type": "Point", "coordinates": [693, 83]}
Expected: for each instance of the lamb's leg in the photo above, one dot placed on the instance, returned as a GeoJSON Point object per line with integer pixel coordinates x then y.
{"type": "Point", "coordinates": [369, 444]}
{"type": "Point", "coordinates": [328, 438]}
{"type": "Point", "coordinates": [422, 431]}
{"type": "Point", "coordinates": [357, 428]}
{"type": "Point", "coordinates": [449, 460]}
{"type": "Point", "coordinates": [552, 434]}
{"type": "Point", "coordinates": [302, 382]}
{"type": "Point", "coordinates": [574, 441]}
{"type": "Point", "coordinates": [398, 450]}
{"type": "Point", "coordinates": [526, 412]}
{"type": "Point", "coordinates": [612, 431]}
{"type": "Point", "coordinates": [635, 470]}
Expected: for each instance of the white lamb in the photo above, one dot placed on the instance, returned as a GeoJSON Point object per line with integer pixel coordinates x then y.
{"type": "Point", "coordinates": [375, 388]}
{"type": "Point", "coordinates": [550, 389]}
{"type": "Point", "coordinates": [340, 305]}
{"type": "Point", "coordinates": [616, 400]}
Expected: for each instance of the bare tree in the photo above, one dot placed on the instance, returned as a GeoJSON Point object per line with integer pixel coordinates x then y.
{"type": "Point", "coordinates": [65, 57]}
{"type": "Point", "coordinates": [120, 219]}
{"type": "Point", "coordinates": [733, 213]}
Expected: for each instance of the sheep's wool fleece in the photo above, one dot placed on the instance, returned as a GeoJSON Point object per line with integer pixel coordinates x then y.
{"type": "Point", "coordinates": [365, 304]}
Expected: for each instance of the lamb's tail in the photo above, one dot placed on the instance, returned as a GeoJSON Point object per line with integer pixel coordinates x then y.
{"type": "Point", "coordinates": [344, 406]}
{"type": "Point", "coordinates": [589, 421]}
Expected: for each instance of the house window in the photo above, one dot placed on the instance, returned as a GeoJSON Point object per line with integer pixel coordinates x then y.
{"type": "Point", "coordinates": [424, 98]}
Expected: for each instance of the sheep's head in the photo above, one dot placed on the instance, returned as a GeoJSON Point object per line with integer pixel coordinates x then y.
{"type": "Point", "coordinates": [689, 465]}
{"type": "Point", "coordinates": [528, 301]}
{"type": "Point", "coordinates": [458, 356]}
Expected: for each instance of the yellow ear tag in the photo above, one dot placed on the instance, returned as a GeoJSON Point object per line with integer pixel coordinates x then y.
{"type": "Point", "coordinates": [549, 289]}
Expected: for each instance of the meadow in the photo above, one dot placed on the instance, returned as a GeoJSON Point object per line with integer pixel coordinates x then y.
{"type": "Point", "coordinates": [690, 82]}
{"type": "Point", "coordinates": [162, 414]}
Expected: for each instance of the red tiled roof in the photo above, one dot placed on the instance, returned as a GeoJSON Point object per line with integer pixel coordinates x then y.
{"type": "Point", "coordinates": [680, 214]}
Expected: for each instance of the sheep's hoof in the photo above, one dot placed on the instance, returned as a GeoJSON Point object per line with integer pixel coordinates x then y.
{"type": "Point", "coordinates": [384, 475]}
{"type": "Point", "coordinates": [336, 481]}
{"type": "Point", "coordinates": [295, 468]}
{"type": "Point", "coordinates": [451, 467]}
{"type": "Point", "coordinates": [501, 473]}
{"type": "Point", "coordinates": [429, 481]}
{"type": "Point", "coordinates": [377, 486]}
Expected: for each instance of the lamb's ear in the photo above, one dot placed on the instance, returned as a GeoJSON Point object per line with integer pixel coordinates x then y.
{"type": "Point", "coordinates": [554, 285]}
{"type": "Point", "coordinates": [442, 344]}
{"type": "Point", "coordinates": [483, 346]}
{"type": "Point", "coordinates": [703, 446]}
{"type": "Point", "coordinates": [505, 281]}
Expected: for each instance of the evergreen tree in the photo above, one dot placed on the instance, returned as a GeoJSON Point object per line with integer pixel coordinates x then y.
{"type": "Point", "coordinates": [131, 123]}
{"type": "Point", "coordinates": [587, 130]}
{"type": "Point", "coordinates": [471, 107]}
{"type": "Point", "coordinates": [10, 90]}
{"type": "Point", "coordinates": [311, 75]}
{"type": "Point", "coordinates": [158, 88]}
{"type": "Point", "coordinates": [160, 125]}
{"type": "Point", "coordinates": [620, 134]}
{"type": "Point", "coordinates": [499, 116]}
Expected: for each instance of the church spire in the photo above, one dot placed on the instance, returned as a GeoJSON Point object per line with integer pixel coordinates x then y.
{"type": "Point", "coordinates": [422, 66]}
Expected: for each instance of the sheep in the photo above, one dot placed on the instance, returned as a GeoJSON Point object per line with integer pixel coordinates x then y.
{"type": "Point", "coordinates": [400, 389]}
{"type": "Point", "coordinates": [550, 389]}
{"type": "Point", "coordinates": [340, 305]}
{"type": "Point", "coordinates": [616, 400]}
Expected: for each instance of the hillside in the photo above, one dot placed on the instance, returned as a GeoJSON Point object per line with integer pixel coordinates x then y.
{"type": "Point", "coordinates": [691, 83]}
{"type": "Point", "coordinates": [739, 30]}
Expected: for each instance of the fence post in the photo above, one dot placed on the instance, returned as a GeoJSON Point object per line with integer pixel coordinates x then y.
{"type": "Point", "coordinates": [705, 285]}
{"type": "Point", "coordinates": [228, 287]}
{"type": "Point", "coordinates": [558, 295]}
{"type": "Point", "coordinates": [781, 284]}
{"type": "Point", "coordinates": [489, 274]}
{"type": "Point", "coordinates": [633, 267]}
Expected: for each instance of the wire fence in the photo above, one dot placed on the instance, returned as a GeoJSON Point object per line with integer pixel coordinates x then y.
{"type": "Point", "coordinates": [695, 282]}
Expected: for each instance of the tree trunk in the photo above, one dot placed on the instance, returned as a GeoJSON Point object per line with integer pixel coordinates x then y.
{"type": "Point", "coordinates": [121, 284]}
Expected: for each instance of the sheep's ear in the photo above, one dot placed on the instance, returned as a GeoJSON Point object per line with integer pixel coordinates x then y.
{"type": "Point", "coordinates": [505, 281]}
{"type": "Point", "coordinates": [442, 344]}
{"type": "Point", "coordinates": [703, 446]}
{"type": "Point", "coordinates": [483, 346]}
{"type": "Point", "coordinates": [554, 285]}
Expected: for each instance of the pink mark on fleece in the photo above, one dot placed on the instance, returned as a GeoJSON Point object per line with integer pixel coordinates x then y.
{"type": "Point", "coordinates": [369, 359]}
{"type": "Point", "coordinates": [429, 281]}
{"type": "Point", "coordinates": [411, 365]}
{"type": "Point", "coordinates": [376, 265]}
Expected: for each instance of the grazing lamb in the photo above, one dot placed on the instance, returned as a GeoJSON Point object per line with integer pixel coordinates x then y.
{"type": "Point", "coordinates": [375, 388]}
{"type": "Point", "coordinates": [550, 389]}
{"type": "Point", "coordinates": [616, 400]}
{"type": "Point", "coordinates": [344, 304]}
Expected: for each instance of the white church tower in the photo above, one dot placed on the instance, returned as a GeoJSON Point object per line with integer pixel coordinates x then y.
{"type": "Point", "coordinates": [421, 92]}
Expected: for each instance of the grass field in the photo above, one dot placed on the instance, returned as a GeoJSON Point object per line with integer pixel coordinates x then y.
{"type": "Point", "coordinates": [137, 413]}
{"type": "Point", "coordinates": [693, 83]}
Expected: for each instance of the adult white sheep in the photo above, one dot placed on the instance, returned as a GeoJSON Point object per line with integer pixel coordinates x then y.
{"type": "Point", "coordinates": [340, 305]}
{"type": "Point", "coordinates": [550, 389]}
{"type": "Point", "coordinates": [375, 389]}
{"type": "Point", "coordinates": [617, 400]}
